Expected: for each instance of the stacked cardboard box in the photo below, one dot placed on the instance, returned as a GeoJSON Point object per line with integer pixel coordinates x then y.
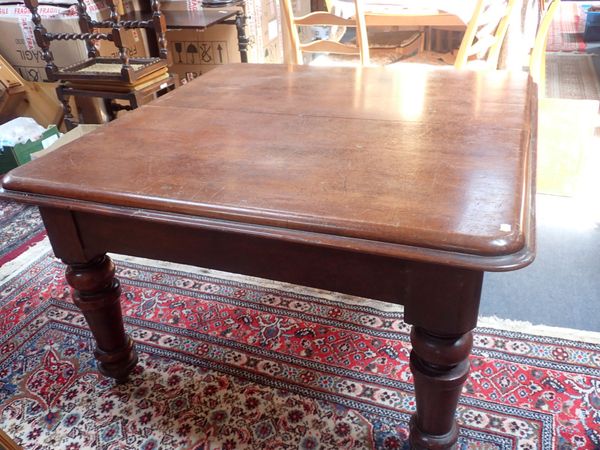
{"type": "Point", "coordinates": [195, 52]}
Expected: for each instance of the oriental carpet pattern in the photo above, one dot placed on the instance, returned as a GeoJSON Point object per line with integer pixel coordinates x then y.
{"type": "Point", "coordinates": [231, 362]}
{"type": "Point", "coordinates": [572, 76]}
{"type": "Point", "coordinates": [20, 227]}
{"type": "Point", "coordinates": [566, 30]}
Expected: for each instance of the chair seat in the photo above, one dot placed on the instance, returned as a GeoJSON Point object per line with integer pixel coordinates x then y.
{"type": "Point", "coordinates": [388, 47]}
{"type": "Point", "coordinates": [394, 39]}
{"type": "Point", "coordinates": [432, 58]}
{"type": "Point", "coordinates": [111, 70]}
{"type": "Point", "coordinates": [378, 56]}
{"type": "Point", "coordinates": [110, 86]}
{"type": "Point", "coordinates": [443, 60]}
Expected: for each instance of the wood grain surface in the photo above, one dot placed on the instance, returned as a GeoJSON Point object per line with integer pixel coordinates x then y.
{"type": "Point", "coordinates": [434, 159]}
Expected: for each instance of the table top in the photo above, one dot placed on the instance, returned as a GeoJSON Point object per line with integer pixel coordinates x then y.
{"type": "Point", "coordinates": [400, 160]}
{"type": "Point", "coordinates": [199, 19]}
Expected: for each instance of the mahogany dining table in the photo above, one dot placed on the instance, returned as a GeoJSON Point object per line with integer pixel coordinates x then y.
{"type": "Point", "coordinates": [400, 184]}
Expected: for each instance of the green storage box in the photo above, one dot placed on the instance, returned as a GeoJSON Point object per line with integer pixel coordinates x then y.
{"type": "Point", "coordinates": [11, 157]}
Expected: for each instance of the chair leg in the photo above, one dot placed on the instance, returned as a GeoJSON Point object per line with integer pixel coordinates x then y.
{"type": "Point", "coordinates": [240, 24]}
{"type": "Point", "coordinates": [134, 101]}
{"type": "Point", "coordinates": [68, 115]}
{"type": "Point", "coordinates": [110, 109]}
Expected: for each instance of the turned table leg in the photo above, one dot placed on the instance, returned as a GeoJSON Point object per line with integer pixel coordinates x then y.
{"type": "Point", "coordinates": [97, 292]}
{"type": "Point", "coordinates": [440, 366]}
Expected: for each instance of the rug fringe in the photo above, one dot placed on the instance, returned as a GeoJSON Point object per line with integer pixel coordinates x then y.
{"type": "Point", "coordinates": [14, 267]}
{"type": "Point", "coordinates": [524, 327]}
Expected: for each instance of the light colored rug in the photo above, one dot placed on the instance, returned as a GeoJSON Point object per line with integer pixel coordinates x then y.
{"type": "Point", "coordinates": [571, 76]}
{"type": "Point", "coordinates": [568, 149]}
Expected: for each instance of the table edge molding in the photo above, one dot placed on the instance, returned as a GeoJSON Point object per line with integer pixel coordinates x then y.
{"type": "Point", "coordinates": [501, 263]}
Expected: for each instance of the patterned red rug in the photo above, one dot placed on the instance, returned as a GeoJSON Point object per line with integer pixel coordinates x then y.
{"type": "Point", "coordinates": [229, 362]}
{"type": "Point", "coordinates": [566, 30]}
{"type": "Point", "coordinates": [20, 228]}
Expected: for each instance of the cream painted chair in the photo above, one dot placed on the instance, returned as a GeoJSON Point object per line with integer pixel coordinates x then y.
{"type": "Point", "coordinates": [537, 59]}
{"type": "Point", "coordinates": [566, 140]}
{"type": "Point", "coordinates": [352, 52]}
{"type": "Point", "coordinates": [359, 49]}
{"type": "Point", "coordinates": [482, 41]}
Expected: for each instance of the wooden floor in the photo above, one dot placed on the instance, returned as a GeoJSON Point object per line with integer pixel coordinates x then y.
{"type": "Point", "coordinates": [7, 443]}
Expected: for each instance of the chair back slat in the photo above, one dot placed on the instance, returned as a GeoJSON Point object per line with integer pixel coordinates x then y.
{"type": "Point", "coordinates": [325, 46]}
{"type": "Point", "coordinates": [321, 18]}
{"type": "Point", "coordinates": [485, 32]}
{"type": "Point", "coordinates": [537, 60]}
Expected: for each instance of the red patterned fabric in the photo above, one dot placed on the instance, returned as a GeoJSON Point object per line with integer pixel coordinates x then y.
{"type": "Point", "coordinates": [240, 364]}
{"type": "Point", "coordinates": [20, 228]}
{"type": "Point", "coordinates": [566, 30]}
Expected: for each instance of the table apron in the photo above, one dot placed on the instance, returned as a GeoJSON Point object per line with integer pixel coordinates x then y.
{"type": "Point", "coordinates": [440, 298]}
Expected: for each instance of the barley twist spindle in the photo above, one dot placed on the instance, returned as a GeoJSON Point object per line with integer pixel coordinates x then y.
{"type": "Point", "coordinates": [41, 37]}
{"type": "Point", "coordinates": [160, 27]}
{"type": "Point", "coordinates": [84, 24]}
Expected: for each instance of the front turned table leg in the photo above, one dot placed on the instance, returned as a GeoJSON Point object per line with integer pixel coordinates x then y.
{"type": "Point", "coordinates": [440, 366]}
{"type": "Point", "coordinates": [97, 292]}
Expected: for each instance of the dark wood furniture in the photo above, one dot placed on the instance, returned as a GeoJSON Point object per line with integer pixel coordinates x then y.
{"type": "Point", "coordinates": [106, 77]}
{"type": "Point", "coordinates": [6, 443]}
{"type": "Point", "coordinates": [362, 181]}
{"type": "Point", "coordinates": [201, 20]}
{"type": "Point", "coordinates": [133, 96]}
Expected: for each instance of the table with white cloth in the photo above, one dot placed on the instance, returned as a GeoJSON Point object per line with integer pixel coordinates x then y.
{"type": "Point", "coordinates": [419, 13]}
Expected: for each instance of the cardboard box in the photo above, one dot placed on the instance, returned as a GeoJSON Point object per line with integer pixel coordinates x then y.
{"type": "Point", "coordinates": [180, 5]}
{"type": "Point", "coordinates": [135, 41]}
{"type": "Point", "coordinates": [75, 133]}
{"type": "Point", "coordinates": [129, 6]}
{"type": "Point", "coordinates": [196, 52]}
{"type": "Point", "coordinates": [17, 41]}
{"type": "Point", "coordinates": [13, 156]}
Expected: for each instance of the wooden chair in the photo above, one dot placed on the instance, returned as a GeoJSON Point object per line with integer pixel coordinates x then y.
{"type": "Point", "coordinates": [565, 126]}
{"type": "Point", "coordinates": [134, 80]}
{"type": "Point", "coordinates": [482, 40]}
{"type": "Point", "coordinates": [359, 48]}
{"type": "Point", "coordinates": [537, 59]}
